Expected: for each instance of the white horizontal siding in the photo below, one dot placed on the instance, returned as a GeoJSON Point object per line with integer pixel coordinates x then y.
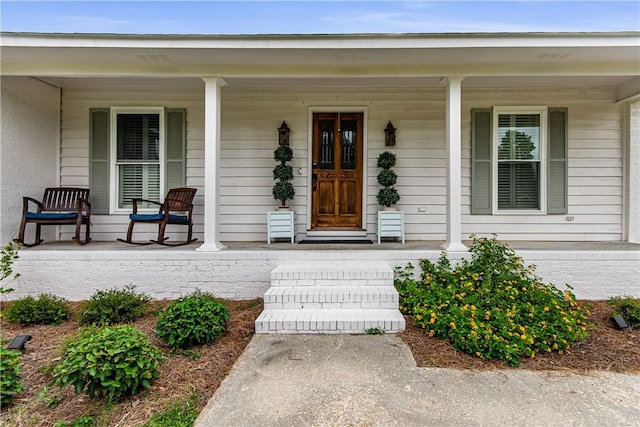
{"type": "Point", "coordinates": [74, 163]}
{"type": "Point", "coordinates": [250, 117]}
{"type": "Point", "coordinates": [594, 170]}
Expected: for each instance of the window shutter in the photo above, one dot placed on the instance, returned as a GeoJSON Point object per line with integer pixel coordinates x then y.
{"type": "Point", "coordinates": [175, 149]}
{"type": "Point", "coordinates": [99, 160]}
{"type": "Point", "coordinates": [557, 175]}
{"type": "Point", "coordinates": [481, 161]}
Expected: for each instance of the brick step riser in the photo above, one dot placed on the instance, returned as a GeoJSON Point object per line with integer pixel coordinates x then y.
{"type": "Point", "coordinates": [387, 305]}
{"type": "Point", "coordinates": [331, 294]}
{"type": "Point", "coordinates": [331, 282]}
{"type": "Point", "coordinates": [303, 325]}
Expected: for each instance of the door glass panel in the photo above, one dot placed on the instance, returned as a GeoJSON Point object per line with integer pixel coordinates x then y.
{"type": "Point", "coordinates": [325, 147]}
{"type": "Point", "coordinates": [348, 145]}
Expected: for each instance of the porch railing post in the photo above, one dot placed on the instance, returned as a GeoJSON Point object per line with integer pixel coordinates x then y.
{"type": "Point", "coordinates": [212, 88]}
{"type": "Point", "coordinates": [454, 172]}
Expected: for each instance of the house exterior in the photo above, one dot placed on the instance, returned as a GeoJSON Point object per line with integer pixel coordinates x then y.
{"type": "Point", "coordinates": [533, 137]}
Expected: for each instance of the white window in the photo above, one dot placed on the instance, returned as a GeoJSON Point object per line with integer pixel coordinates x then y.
{"type": "Point", "coordinates": [137, 153]}
{"type": "Point", "coordinates": [519, 159]}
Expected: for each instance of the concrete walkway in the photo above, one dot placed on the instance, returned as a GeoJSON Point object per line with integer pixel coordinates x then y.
{"type": "Point", "coordinates": [361, 380]}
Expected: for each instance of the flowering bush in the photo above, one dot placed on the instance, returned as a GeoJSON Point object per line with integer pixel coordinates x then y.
{"type": "Point", "coordinates": [491, 306]}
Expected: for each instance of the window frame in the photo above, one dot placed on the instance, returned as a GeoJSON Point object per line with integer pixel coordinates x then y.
{"type": "Point", "coordinates": [113, 150]}
{"type": "Point", "coordinates": [542, 111]}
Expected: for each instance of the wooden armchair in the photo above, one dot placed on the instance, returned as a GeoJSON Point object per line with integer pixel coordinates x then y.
{"type": "Point", "coordinates": [59, 206]}
{"type": "Point", "coordinates": [176, 209]}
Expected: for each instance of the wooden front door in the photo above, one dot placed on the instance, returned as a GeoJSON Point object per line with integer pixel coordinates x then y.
{"type": "Point", "coordinates": [337, 171]}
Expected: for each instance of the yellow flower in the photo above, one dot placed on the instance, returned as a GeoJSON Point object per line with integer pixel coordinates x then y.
{"type": "Point", "coordinates": [546, 309]}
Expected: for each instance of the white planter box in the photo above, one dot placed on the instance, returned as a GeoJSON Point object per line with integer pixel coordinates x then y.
{"type": "Point", "coordinates": [281, 224]}
{"type": "Point", "coordinates": [391, 224]}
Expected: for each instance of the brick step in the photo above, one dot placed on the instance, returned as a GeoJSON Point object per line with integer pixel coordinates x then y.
{"type": "Point", "coordinates": [332, 274]}
{"type": "Point", "coordinates": [329, 321]}
{"type": "Point", "coordinates": [315, 297]}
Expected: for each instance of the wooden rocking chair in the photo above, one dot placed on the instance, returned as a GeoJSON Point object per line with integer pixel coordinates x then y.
{"type": "Point", "coordinates": [176, 209]}
{"type": "Point", "coordinates": [59, 206]}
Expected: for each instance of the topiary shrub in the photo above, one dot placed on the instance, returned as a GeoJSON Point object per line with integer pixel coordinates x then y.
{"type": "Point", "coordinates": [195, 319]}
{"type": "Point", "coordinates": [627, 307]}
{"type": "Point", "coordinates": [47, 309]}
{"type": "Point", "coordinates": [10, 368]}
{"type": "Point", "coordinates": [388, 194]}
{"type": "Point", "coordinates": [112, 362]}
{"type": "Point", "coordinates": [492, 306]}
{"type": "Point", "coordinates": [283, 189]}
{"type": "Point", "coordinates": [113, 306]}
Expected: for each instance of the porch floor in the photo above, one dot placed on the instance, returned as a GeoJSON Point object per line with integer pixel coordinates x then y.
{"type": "Point", "coordinates": [428, 245]}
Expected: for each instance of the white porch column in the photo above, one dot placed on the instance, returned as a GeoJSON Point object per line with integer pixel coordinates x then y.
{"type": "Point", "coordinates": [454, 172]}
{"type": "Point", "coordinates": [212, 91]}
{"type": "Point", "coordinates": [632, 166]}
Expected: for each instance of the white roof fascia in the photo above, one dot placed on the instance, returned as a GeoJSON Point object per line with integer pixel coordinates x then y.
{"type": "Point", "coordinates": [359, 41]}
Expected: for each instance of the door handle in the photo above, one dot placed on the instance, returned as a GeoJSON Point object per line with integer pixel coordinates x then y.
{"type": "Point", "coordinates": [314, 165]}
{"type": "Point", "coordinates": [314, 181]}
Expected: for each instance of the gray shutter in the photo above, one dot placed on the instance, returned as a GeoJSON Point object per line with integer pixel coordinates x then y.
{"type": "Point", "coordinates": [99, 160]}
{"type": "Point", "coordinates": [481, 161]}
{"type": "Point", "coordinates": [557, 166]}
{"type": "Point", "coordinates": [175, 149]}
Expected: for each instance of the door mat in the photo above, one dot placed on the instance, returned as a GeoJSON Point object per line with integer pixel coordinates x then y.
{"type": "Point", "coordinates": [335, 241]}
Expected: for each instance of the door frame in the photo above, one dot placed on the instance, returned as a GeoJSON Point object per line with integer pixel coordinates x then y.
{"type": "Point", "coordinates": [356, 108]}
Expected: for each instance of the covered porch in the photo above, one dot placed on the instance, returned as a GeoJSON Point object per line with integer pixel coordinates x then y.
{"type": "Point", "coordinates": [232, 92]}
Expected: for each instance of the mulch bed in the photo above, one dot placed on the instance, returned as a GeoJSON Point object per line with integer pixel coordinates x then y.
{"type": "Point", "coordinates": [607, 349]}
{"type": "Point", "coordinates": [180, 375]}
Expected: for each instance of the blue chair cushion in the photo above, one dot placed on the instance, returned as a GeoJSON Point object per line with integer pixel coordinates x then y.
{"type": "Point", "coordinates": [156, 217]}
{"type": "Point", "coordinates": [58, 216]}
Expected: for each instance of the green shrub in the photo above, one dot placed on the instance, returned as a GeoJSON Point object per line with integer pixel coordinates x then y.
{"type": "Point", "coordinates": [114, 306]}
{"type": "Point", "coordinates": [492, 306]}
{"type": "Point", "coordinates": [85, 421]}
{"type": "Point", "coordinates": [192, 320]}
{"type": "Point", "coordinates": [179, 415]}
{"type": "Point", "coordinates": [112, 362]}
{"type": "Point", "coordinates": [8, 255]}
{"type": "Point", "coordinates": [47, 309]}
{"type": "Point", "coordinates": [627, 307]}
{"type": "Point", "coordinates": [10, 368]}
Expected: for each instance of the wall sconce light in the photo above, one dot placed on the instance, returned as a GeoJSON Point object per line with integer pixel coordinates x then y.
{"type": "Point", "coordinates": [389, 135]}
{"type": "Point", "coordinates": [283, 134]}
